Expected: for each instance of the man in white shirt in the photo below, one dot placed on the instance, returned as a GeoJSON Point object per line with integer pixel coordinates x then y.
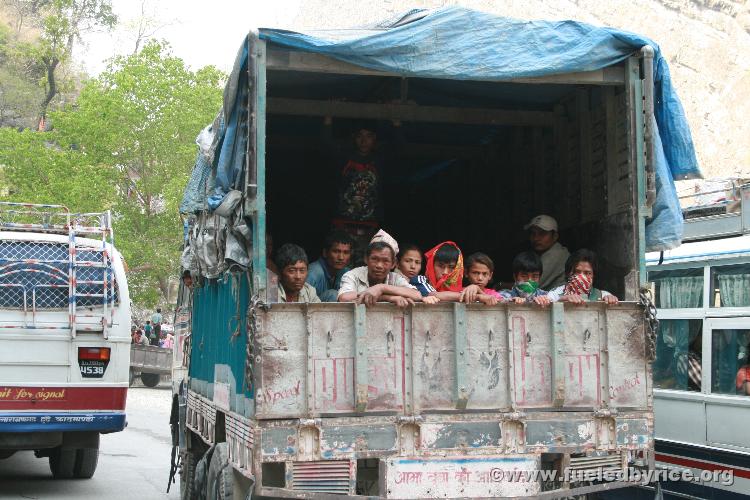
{"type": "Point", "coordinates": [543, 237]}
{"type": "Point", "coordinates": [375, 282]}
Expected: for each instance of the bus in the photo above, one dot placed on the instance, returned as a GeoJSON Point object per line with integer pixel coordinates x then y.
{"type": "Point", "coordinates": [702, 367]}
{"type": "Point", "coordinates": [64, 335]}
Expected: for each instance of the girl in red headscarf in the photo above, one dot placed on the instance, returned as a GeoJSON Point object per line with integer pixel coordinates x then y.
{"type": "Point", "coordinates": [445, 272]}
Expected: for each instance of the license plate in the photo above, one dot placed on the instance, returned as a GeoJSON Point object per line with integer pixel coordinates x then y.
{"type": "Point", "coordinates": [92, 368]}
{"type": "Point", "coordinates": [462, 477]}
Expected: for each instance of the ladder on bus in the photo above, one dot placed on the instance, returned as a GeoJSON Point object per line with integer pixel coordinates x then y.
{"type": "Point", "coordinates": [76, 272]}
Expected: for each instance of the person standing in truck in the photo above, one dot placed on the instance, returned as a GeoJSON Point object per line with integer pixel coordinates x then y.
{"type": "Point", "coordinates": [360, 201]}
{"type": "Point", "coordinates": [543, 237]}
{"type": "Point", "coordinates": [156, 320]}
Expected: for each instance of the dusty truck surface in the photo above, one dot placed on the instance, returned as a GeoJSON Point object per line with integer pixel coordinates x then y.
{"type": "Point", "coordinates": [488, 121]}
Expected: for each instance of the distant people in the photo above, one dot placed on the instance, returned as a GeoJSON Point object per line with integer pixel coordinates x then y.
{"type": "Point", "coordinates": [140, 339]}
{"type": "Point", "coordinates": [156, 321]}
{"type": "Point", "coordinates": [376, 282]}
{"type": "Point", "coordinates": [325, 273]}
{"type": "Point", "coordinates": [527, 269]}
{"type": "Point", "coordinates": [479, 272]}
{"type": "Point", "coordinates": [743, 375]}
{"type": "Point", "coordinates": [167, 341]}
{"type": "Point", "coordinates": [543, 236]}
{"type": "Point", "coordinates": [148, 331]}
{"type": "Point", "coordinates": [360, 202]}
{"type": "Point", "coordinates": [580, 269]}
{"type": "Point", "coordinates": [291, 261]}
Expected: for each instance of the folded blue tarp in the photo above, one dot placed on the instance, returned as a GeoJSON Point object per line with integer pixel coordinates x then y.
{"type": "Point", "coordinates": [463, 44]}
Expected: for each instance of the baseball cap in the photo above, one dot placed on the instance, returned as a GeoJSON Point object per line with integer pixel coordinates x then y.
{"type": "Point", "coordinates": [543, 222]}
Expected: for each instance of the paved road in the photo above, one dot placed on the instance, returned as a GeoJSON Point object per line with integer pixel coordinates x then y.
{"type": "Point", "coordinates": [133, 464]}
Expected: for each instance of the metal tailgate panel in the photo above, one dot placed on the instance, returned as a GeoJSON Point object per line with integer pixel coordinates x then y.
{"type": "Point", "coordinates": [433, 358]}
{"type": "Point", "coordinates": [629, 372]}
{"type": "Point", "coordinates": [335, 359]}
{"type": "Point", "coordinates": [487, 358]}
{"type": "Point", "coordinates": [531, 345]}
{"type": "Point", "coordinates": [282, 385]}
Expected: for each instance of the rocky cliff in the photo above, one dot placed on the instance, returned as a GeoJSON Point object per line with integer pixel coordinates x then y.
{"type": "Point", "coordinates": [707, 44]}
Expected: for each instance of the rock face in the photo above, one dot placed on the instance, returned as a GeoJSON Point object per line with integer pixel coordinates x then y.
{"type": "Point", "coordinates": [706, 42]}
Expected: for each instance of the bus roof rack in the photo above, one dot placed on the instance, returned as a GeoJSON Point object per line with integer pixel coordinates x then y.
{"type": "Point", "coordinates": [56, 219]}
{"type": "Point", "coordinates": [727, 217]}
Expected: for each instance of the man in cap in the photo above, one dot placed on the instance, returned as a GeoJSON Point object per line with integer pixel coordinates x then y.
{"type": "Point", "coordinates": [543, 237]}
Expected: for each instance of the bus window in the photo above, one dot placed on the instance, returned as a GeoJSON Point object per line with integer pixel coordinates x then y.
{"type": "Point", "coordinates": [730, 286]}
{"type": "Point", "coordinates": [678, 355]}
{"type": "Point", "coordinates": [678, 288]}
{"type": "Point", "coordinates": [730, 362]}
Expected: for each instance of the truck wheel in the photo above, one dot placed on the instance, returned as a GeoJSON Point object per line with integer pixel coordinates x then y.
{"type": "Point", "coordinates": [150, 379]}
{"type": "Point", "coordinates": [220, 475]}
{"type": "Point", "coordinates": [86, 461]}
{"type": "Point", "coordinates": [62, 461]}
{"type": "Point", "coordinates": [187, 475]}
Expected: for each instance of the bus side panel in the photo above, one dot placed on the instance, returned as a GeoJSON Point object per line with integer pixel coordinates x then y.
{"type": "Point", "coordinates": [219, 342]}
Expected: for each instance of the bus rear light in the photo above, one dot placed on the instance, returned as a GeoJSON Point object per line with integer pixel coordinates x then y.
{"type": "Point", "coordinates": [96, 353]}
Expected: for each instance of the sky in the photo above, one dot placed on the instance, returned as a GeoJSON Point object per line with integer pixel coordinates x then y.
{"type": "Point", "coordinates": [200, 32]}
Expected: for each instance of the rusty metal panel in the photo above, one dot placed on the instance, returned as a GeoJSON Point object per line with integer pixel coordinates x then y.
{"type": "Point", "coordinates": [461, 477]}
{"type": "Point", "coordinates": [433, 358]}
{"type": "Point", "coordinates": [582, 358]}
{"type": "Point", "coordinates": [629, 372]}
{"type": "Point", "coordinates": [531, 347]}
{"type": "Point", "coordinates": [281, 362]}
{"type": "Point", "coordinates": [276, 443]}
{"type": "Point", "coordinates": [334, 360]}
{"type": "Point", "coordinates": [338, 440]}
{"type": "Point", "coordinates": [634, 433]}
{"type": "Point", "coordinates": [487, 358]}
{"type": "Point", "coordinates": [461, 435]}
{"type": "Point", "coordinates": [561, 434]}
{"type": "Point", "coordinates": [449, 358]}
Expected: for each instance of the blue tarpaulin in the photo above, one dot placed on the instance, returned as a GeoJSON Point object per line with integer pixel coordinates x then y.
{"type": "Point", "coordinates": [463, 44]}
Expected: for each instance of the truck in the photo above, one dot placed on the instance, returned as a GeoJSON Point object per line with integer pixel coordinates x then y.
{"type": "Point", "coordinates": [149, 363]}
{"type": "Point", "coordinates": [297, 400]}
{"type": "Point", "coordinates": [64, 335]}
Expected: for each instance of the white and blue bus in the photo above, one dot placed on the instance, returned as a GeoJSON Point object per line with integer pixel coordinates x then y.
{"type": "Point", "coordinates": [702, 367]}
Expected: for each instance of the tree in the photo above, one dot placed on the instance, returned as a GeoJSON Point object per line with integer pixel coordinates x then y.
{"type": "Point", "coordinates": [139, 121]}
{"type": "Point", "coordinates": [63, 23]}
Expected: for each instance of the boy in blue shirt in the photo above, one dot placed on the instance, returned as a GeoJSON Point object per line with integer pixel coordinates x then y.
{"type": "Point", "coordinates": [527, 270]}
{"type": "Point", "coordinates": [325, 273]}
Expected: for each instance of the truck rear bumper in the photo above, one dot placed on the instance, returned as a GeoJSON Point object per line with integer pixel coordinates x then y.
{"type": "Point", "coordinates": [62, 422]}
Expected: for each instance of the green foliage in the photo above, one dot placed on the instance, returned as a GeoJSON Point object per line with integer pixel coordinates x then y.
{"type": "Point", "coordinates": [139, 119]}
{"type": "Point", "coordinates": [128, 144]}
{"type": "Point", "coordinates": [38, 171]}
{"type": "Point", "coordinates": [33, 55]}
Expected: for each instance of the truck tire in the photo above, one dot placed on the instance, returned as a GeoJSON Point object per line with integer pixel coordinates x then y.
{"type": "Point", "coordinates": [62, 461]}
{"type": "Point", "coordinates": [220, 475]}
{"type": "Point", "coordinates": [86, 461]}
{"type": "Point", "coordinates": [150, 379]}
{"type": "Point", "coordinates": [187, 475]}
